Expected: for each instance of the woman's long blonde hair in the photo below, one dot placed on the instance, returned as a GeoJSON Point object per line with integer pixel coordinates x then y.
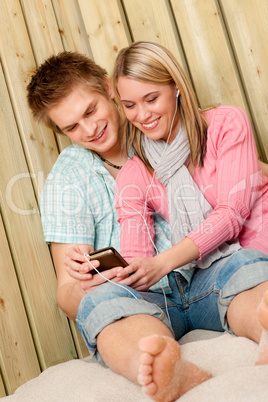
{"type": "Point", "coordinates": [152, 63]}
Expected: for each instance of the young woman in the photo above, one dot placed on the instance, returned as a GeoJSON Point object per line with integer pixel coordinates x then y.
{"type": "Point", "coordinates": [204, 161]}
{"type": "Point", "coordinates": [199, 169]}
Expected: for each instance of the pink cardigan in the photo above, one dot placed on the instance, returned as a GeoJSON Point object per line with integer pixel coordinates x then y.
{"type": "Point", "coordinates": [230, 180]}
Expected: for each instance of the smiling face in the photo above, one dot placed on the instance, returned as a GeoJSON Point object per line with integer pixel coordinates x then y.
{"type": "Point", "coordinates": [150, 107]}
{"type": "Point", "coordinates": [90, 120]}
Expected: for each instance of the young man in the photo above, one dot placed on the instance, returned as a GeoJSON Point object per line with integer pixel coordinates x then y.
{"type": "Point", "coordinates": [125, 329]}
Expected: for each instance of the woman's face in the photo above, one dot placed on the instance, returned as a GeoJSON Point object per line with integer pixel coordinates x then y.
{"type": "Point", "coordinates": [150, 107]}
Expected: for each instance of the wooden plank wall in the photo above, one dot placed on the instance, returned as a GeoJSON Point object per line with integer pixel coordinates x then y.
{"type": "Point", "coordinates": [222, 45]}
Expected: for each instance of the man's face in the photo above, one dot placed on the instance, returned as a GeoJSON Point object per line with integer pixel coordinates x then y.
{"type": "Point", "coordinates": [89, 119]}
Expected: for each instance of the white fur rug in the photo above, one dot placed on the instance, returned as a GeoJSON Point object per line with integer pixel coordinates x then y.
{"type": "Point", "coordinates": [230, 359]}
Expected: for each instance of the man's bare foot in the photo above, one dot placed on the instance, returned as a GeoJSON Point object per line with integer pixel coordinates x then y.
{"type": "Point", "coordinates": [163, 374]}
{"type": "Point", "coordinates": [263, 319]}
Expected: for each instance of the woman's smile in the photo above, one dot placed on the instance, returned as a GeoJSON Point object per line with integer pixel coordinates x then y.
{"type": "Point", "coordinates": [150, 107]}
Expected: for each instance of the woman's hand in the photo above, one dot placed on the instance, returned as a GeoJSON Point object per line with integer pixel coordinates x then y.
{"type": "Point", "coordinates": [141, 273]}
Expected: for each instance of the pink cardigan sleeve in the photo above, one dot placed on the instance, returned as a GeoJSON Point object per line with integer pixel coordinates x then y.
{"type": "Point", "coordinates": [130, 204]}
{"type": "Point", "coordinates": [237, 177]}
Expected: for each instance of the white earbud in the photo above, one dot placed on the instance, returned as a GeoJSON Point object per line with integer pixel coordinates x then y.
{"type": "Point", "coordinates": [178, 92]}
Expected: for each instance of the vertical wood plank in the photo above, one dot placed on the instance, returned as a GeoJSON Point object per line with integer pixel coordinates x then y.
{"type": "Point", "coordinates": [248, 28]}
{"type": "Point", "coordinates": [80, 345]}
{"type": "Point", "coordinates": [152, 20]}
{"type": "Point", "coordinates": [106, 29]}
{"type": "Point", "coordinates": [18, 359]}
{"type": "Point", "coordinates": [17, 60]}
{"type": "Point", "coordinates": [42, 27]}
{"type": "Point", "coordinates": [209, 54]}
{"type": "Point", "coordinates": [30, 254]}
{"type": "Point", "coordinates": [2, 388]}
{"type": "Point", "coordinates": [71, 26]}
{"type": "Point", "coordinates": [45, 40]}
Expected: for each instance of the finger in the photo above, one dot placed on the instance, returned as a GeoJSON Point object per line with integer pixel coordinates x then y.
{"type": "Point", "coordinates": [131, 280]}
{"type": "Point", "coordinates": [125, 272]}
{"type": "Point", "coordinates": [75, 254]}
{"type": "Point", "coordinates": [78, 275]}
{"type": "Point", "coordinates": [71, 264]}
{"type": "Point", "coordinates": [109, 273]}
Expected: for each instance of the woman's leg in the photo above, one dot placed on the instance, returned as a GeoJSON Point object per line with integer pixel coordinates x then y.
{"type": "Point", "coordinates": [227, 295]}
{"type": "Point", "coordinates": [242, 314]}
{"type": "Point", "coordinates": [263, 319]}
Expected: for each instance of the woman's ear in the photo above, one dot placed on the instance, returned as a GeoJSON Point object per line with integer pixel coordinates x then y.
{"type": "Point", "coordinates": [109, 88]}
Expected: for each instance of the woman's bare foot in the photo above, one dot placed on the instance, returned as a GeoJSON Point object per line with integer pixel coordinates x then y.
{"type": "Point", "coordinates": [263, 319]}
{"type": "Point", "coordinates": [163, 374]}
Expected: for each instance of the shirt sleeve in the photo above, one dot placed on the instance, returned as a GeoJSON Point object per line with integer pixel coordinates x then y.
{"type": "Point", "coordinates": [161, 233]}
{"type": "Point", "coordinates": [136, 221]}
{"type": "Point", "coordinates": [238, 179]}
{"type": "Point", "coordinates": [66, 216]}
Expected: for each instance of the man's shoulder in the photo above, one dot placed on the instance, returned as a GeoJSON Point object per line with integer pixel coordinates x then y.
{"type": "Point", "coordinates": [72, 156]}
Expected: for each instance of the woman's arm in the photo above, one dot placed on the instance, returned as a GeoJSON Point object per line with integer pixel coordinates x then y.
{"type": "Point", "coordinates": [237, 178]}
{"type": "Point", "coordinates": [147, 271]}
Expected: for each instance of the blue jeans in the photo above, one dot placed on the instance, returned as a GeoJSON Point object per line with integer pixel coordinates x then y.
{"type": "Point", "coordinates": [201, 303]}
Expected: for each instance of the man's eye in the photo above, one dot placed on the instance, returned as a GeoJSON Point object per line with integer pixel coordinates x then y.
{"type": "Point", "coordinates": [69, 130]}
{"type": "Point", "coordinates": [89, 112]}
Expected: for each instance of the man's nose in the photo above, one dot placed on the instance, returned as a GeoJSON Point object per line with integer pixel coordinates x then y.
{"type": "Point", "coordinates": [89, 128]}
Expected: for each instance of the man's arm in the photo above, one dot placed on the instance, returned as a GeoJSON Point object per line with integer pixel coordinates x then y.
{"type": "Point", "coordinates": [69, 291]}
{"type": "Point", "coordinates": [74, 278]}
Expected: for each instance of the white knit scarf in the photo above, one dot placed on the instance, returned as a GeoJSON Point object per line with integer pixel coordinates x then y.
{"type": "Point", "coordinates": [188, 207]}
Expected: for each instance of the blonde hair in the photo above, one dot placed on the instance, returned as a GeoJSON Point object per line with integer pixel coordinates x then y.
{"type": "Point", "coordinates": [153, 63]}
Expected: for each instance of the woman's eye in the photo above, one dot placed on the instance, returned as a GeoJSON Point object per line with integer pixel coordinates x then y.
{"type": "Point", "coordinates": [152, 99]}
{"type": "Point", "coordinates": [128, 106]}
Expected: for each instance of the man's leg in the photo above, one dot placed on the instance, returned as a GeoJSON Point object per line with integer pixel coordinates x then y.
{"type": "Point", "coordinates": [142, 349]}
{"type": "Point", "coordinates": [118, 343]}
{"type": "Point", "coordinates": [132, 336]}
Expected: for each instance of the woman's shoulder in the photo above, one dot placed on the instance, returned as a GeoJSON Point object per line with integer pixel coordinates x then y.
{"type": "Point", "coordinates": [225, 113]}
{"type": "Point", "coordinates": [228, 124]}
{"type": "Point", "coordinates": [133, 171]}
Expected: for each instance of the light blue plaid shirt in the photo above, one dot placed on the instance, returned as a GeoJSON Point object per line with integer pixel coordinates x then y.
{"type": "Point", "coordinates": [77, 205]}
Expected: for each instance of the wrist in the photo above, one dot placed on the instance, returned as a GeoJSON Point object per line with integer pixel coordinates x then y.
{"type": "Point", "coordinates": [182, 253]}
{"type": "Point", "coordinates": [163, 264]}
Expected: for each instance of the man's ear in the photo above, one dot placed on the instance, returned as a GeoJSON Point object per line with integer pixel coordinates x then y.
{"type": "Point", "coordinates": [109, 88]}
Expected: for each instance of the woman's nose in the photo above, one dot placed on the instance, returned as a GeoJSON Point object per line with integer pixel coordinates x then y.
{"type": "Point", "coordinates": [143, 113]}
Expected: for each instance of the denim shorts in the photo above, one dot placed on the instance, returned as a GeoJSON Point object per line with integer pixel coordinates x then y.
{"type": "Point", "coordinates": [201, 303]}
